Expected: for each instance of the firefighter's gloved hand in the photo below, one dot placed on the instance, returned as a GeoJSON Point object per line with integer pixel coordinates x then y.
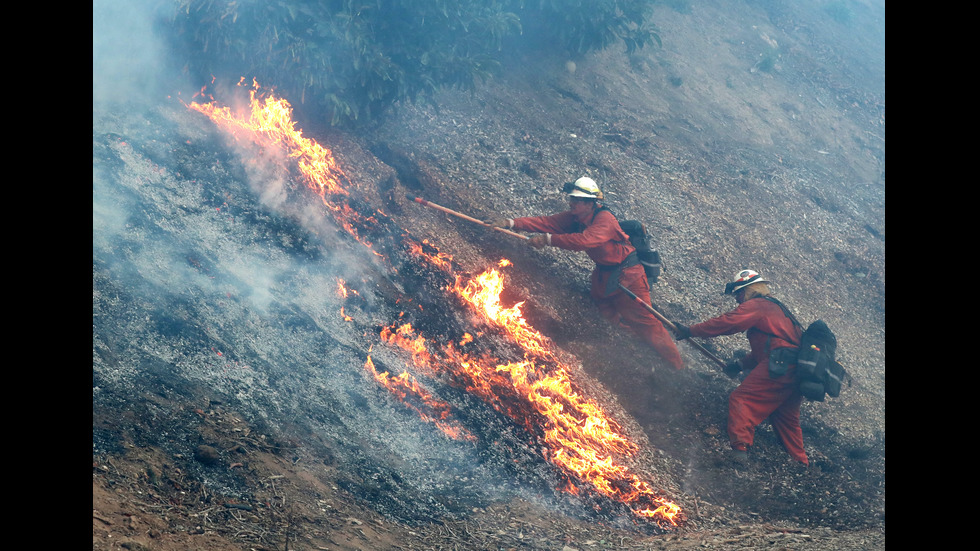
{"type": "Point", "coordinates": [733, 368]}
{"type": "Point", "coordinates": [683, 332]}
{"type": "Point", "coordinates": [499, 223]}
{"type": "Point", "coordinates": [538, 241]}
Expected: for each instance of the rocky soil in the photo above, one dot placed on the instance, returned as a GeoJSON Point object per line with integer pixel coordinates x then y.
{"type": "Point", "coordinates": [230, 410]}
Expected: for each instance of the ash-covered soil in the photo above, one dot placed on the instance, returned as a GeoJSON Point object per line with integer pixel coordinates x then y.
{"type": "Point", "coordinates": [231, 407]}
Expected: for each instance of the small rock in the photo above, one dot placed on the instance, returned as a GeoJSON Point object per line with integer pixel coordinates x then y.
{"type": "Point", "coordinates": [206, 454]}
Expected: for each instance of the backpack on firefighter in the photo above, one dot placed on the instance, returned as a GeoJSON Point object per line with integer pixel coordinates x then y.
{"type": "Point", "coordinates": [817, 370]}
{"type": "Point", "coordinates": [649, 257]}
{"type": "Point", "coordinates": [586, 188]}
{"type": "Point", "coordinates": [645, 254]}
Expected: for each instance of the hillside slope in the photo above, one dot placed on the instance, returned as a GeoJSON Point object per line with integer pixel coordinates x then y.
{"type": "Point", "coordinates": [230, 409]}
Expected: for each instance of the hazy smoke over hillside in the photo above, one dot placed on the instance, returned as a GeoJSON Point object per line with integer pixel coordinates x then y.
{"type": "Point", "coordinates": [216, 273]}
{"type": "Point", "coordinates": [129, 59]}
{"type": "Point", "coordinates": [214, 268]}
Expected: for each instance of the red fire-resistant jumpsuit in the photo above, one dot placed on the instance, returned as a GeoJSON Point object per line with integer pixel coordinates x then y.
{"type": "Point", "coordinates": [608, 246]}
{"type": "Point", "coordinates": [760, 396]}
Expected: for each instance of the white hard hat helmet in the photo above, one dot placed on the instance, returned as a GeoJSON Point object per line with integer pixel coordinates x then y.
{"type": "Point", "coordinates": [742, 279]}
{"type": "Point", "coordinates": [584, 187]}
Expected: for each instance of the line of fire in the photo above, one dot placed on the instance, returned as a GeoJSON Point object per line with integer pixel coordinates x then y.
{"type": "Point", "coordinates": [529, 382]}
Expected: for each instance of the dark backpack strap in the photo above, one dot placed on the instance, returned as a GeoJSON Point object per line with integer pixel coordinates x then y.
{"type": "Point", "coordinates": [580, 227]}
{"type": "Point", "coordinates": [612, 284]}
{"type": "Point", "coordinates": [595, 212]}
{"type": "Point", "coordinates": [607, 209]}
{"type": "Point", "coordinates": [788, 314]}
{"type": "Point", "coordinates": [786, 311]}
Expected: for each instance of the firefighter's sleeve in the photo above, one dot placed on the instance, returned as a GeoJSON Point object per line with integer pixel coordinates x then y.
{"type": "Point", "coordinates": [738, 320]}
{"type": "Point", "coordinates": [602, 230]}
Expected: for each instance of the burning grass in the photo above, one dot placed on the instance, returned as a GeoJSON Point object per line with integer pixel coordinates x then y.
{"type": "Point", "coordinates": [534, 389]}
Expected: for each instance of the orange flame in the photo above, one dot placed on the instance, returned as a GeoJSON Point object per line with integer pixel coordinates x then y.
{"type": "Point", "coordinates": [342, 289]}
{"type": "Point", "coordinates": [579, 434]}
{"type": "Point", "coordinates": [536, 391]}
{"type": "Point", "coordinates": [273, 118]}
{"type": "Point", "coordinates": [407, 389]}
{"type": "Point", "coordinates": [268, 121]}
{"type": "Point", "coordinates": [343, 292]}
{"type": "Point", "coordinates": [430, 254]}
{"type": "Point", "coordinates": [420, 354]}
{"type": "Point", "coordinates": [483, 293]}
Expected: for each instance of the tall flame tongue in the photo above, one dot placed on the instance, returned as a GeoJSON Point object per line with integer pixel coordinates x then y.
{"type": "Point", "coordinates": [580, 436]}
{"type": "Point", "coordinates": [536, 391]}
{"type": "Point", "coordinates": [268, 121]}
{"type": "Point", "coordinates": [417, 398]}
{"type": "Point", "coordinates": [272, 118]}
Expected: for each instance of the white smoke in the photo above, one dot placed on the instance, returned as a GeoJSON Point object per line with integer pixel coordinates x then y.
{"type": "Point", "coordinates": [130, 60]}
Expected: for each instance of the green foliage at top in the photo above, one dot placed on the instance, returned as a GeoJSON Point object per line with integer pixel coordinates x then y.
{"type": "Point", "coordinates": [354, 59]}
{"type": "Point", "coordinates": [581, 26]}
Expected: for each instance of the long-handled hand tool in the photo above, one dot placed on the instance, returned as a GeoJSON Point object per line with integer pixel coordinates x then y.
{"type": "Point", "coordinates": [425, 203]}
{"type": "Point", "coordinates": [659, 316]}
{"type": "Point", "coordinates": [670, 325]}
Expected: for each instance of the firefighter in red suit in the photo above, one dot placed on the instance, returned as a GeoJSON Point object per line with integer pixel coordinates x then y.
{"type": "Point", "coordinates": [586, 226]}
{"type": "Point", "coordinates": [759, 396]}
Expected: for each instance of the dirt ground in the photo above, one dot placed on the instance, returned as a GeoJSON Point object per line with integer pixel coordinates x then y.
{"type": "Point", "coordinates": [750, 139]}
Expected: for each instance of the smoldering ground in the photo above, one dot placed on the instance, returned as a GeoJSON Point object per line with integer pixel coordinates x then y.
{"type": "Point", "coordinates": [213, 270]}
{"type": "Point", "coordinates": [215, 273]}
